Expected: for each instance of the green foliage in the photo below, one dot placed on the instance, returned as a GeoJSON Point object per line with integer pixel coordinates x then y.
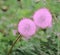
{"type": "Point", "coordinates": [44, 42]}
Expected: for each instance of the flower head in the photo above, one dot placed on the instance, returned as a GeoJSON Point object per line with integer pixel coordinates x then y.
{"type": "Point", "coordinates": [27, 28]}
{"type": "Point", "coordinates": [43, 18]}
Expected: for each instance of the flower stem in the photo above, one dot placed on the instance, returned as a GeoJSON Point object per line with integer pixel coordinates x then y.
{"type": "Point", "coordinates": [13, 44]}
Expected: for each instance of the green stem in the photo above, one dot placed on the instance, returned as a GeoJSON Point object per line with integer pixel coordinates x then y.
{"type": "Point", "coordinates": [13, 44]}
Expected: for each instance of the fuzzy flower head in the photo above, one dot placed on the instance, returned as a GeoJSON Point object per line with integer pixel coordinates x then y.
{"type": "Point", "coordinates": [26, 27]}
{"type": "Point", "coordinates": [43, 18]}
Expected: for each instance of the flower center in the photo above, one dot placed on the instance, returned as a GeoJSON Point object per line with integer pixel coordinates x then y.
{"type": "Point", "coordinates": [27, 28]}
{"type": "Point", "coordinates": [41, 19]}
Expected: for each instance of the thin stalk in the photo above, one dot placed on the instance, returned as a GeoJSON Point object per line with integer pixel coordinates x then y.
{"type": "Point", "coordinates": [13, 44]}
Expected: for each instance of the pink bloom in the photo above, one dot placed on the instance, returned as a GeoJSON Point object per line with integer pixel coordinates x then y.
{"type": "Point", "coordinates": [43, 18]}
{"type": "Point", "coordinates": [14, 32]}
{"type": "Point", "coordinates": [27, 28]}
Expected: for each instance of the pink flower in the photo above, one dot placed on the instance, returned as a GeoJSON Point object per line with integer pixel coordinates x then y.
{"type": "Point", "coordinates": [43, 18]}
{"type": "Point", "coordinates": [14, 32]}
{"type": "Point", "coordinates": [26, 27]}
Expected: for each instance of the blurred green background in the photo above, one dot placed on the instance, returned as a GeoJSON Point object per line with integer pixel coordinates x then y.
{"type": "Point", "coordinates": [44, 42]}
